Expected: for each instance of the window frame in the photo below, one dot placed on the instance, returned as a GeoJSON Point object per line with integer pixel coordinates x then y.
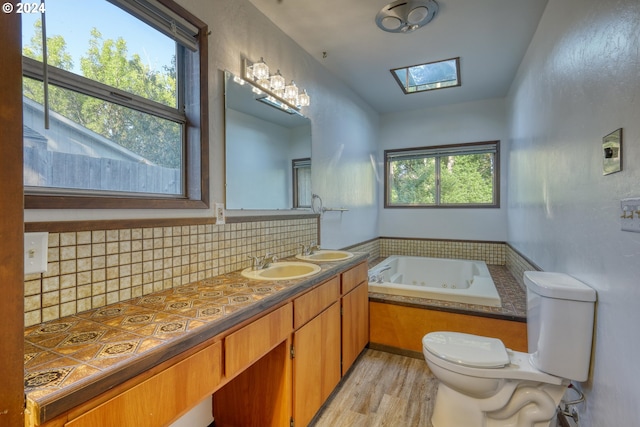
{"type": "Point", "coordinates": [195, 145]}
{"type": "Point", "coordinates": [442, 151]}
{"type": "Point", "coordinates": [405, 89]}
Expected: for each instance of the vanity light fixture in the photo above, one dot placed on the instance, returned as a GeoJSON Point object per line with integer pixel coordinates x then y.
{"type": "Point", "coordinates": [274, 86]}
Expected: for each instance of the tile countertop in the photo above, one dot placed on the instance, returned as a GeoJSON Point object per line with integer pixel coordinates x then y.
{"type": "Point", "coordinates": [73, 359]}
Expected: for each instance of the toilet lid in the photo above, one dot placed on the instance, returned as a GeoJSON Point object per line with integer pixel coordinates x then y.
{"type": "Point", "coordinates": [468, 350]}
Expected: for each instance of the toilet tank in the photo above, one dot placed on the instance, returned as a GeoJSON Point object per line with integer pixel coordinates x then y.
{"type": "Point", "coordinates": [560, 313]}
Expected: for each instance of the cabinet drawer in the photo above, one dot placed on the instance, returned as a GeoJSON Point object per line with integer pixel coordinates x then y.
{"type": "Point", "coordinates": [313, 302]}
{"type": "Point", "coordinates": [250, 343]}
{"type": "Point", "coordinates": [160, 399]}
{"type": "Point", "coordinates": [353, 277]}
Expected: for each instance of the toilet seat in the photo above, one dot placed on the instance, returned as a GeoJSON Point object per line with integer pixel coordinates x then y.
{"type": "Point", "coordinates": [467, 350]}
{"type": "Point", "coordinates": [469, 353]}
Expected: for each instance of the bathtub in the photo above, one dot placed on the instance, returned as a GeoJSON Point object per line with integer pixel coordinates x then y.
{"type": "Point", "coordinates": [455, 280]}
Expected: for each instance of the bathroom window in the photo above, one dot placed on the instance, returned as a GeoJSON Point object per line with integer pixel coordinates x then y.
{"type": "Point", "coordinates": [301, 183]}
{"type": "Point", "coordinates": [465, 175]}
{"type": "Point", "coordinates": [115, 116]}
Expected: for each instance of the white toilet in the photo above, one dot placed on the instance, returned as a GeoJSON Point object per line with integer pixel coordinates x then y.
{"type": "Point", "coordinates": [483, 384]}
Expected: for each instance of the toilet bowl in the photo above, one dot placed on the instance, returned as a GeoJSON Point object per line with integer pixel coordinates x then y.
{"type": "Point", "coordinates": [484, 384]}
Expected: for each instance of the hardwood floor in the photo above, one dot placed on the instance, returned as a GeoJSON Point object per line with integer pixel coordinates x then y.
{"type": "Point", "coordinates": [382, 389]}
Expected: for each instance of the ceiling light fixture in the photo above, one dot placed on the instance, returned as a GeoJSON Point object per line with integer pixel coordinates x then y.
{"type": "Point", "coordinates": [405, 16]}
{"type": "Point", "coordinates": [274, 86]}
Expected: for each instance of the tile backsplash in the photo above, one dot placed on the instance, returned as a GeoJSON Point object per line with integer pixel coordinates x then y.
{"type": "Point", "coordinates": [93, 268]}
{"type": "Point", "coordinates": [90, 269]}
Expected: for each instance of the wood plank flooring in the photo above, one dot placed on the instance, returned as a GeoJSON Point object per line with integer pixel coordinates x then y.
{"type": "Point", "coordinates": [382, 389]}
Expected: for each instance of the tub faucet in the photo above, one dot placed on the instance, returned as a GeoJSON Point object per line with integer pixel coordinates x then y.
{"type": "Point", "coordinates": [379, 277]}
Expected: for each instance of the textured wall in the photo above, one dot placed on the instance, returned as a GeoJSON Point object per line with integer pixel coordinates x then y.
{"type": "Point", "coordinates": [451, 124]}
{"type": "Point", "coordinates": [578, 82]}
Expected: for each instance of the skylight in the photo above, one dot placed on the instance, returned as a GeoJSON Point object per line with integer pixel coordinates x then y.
{"type": "Point", "coordinates": [430, 76]}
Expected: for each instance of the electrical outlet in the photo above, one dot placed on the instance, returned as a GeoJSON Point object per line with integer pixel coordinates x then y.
{"type": "Point", "coordinates": [36, 246]}
{"type": "Point", "coordinates": [220, 214]}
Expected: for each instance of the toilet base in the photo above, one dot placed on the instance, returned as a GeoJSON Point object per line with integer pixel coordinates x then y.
{"type": "Point", "coordinates": [517, 404]}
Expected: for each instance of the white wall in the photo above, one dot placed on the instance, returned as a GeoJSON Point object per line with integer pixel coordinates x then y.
{"type": "Point", "coordinates": [453, 124]}
{"type": "Point", "coordinates": [579, 81]}
{"type": "Point", "coordinates": [344, 128]}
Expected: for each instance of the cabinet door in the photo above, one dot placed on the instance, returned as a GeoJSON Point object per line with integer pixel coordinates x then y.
{"type": "Point", "coordinates": [316, 364]}
{"type": "Point", "coordinates": [355, 324]}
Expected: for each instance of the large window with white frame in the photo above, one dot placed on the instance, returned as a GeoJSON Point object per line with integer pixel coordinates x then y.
{"type": "Point", "coordinates": [461, 175]}
{"type": "Point", "coordinates": [114, 107]}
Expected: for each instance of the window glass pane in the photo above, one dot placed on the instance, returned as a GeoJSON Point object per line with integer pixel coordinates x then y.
{"type": "Point", "coordinates": [97, 145]}
{"type": "Point", "coordinates": [303, 180]}
{"type": "Point", "coordinates": [434, 75]}
{"type": "Point", "coordinates": [412, 181]}
{"type": "Point", "coordinates": [100, 41]}
{"type": "Point", "coordinates": [466, 179]}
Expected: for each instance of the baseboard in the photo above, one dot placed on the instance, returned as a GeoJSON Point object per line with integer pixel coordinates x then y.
{"type": "Point", "coordinates": [395, 350]}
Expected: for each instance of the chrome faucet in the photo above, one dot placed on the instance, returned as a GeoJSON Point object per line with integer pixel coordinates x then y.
{"type": "Point", "coordinates": [379, 277]}
{"type": "Point", "coordinates": [309, 250]}
{"type": "Point", "coordinates": [260, 263]}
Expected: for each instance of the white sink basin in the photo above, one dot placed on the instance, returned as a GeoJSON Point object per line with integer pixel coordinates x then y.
{"type": "Point", "coordinates": [326, 255]}
{"type": "Point", "coordinates": [285, 270]}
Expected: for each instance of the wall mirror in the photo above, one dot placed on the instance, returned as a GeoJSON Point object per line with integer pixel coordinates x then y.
{"type": "Point", "coordinates": [267, 151]}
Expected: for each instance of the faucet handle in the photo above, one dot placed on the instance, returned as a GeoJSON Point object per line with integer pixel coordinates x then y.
{"type": "Point", "coordinates": [255, 261]}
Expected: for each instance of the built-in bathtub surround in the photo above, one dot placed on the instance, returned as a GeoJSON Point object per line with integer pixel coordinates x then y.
{"type": "Point", "coordinates": [92, 268]}
{"type": "Point", "coordinates": [493, 253]}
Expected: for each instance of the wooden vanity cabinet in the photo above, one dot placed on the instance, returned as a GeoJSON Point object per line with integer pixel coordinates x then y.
{"type": "Point", "coordinates": [316, 349]}
{"type": "Point", "coordinates": [257, 355]}
{"type": "Point", "coordinates": [355, 314]}
{"type": "Point", "coordinates": [277, 369]}
{"type": "Point", "coordinates": [330, 329]}
{"type": "Point", "coordinates": [160, 399]}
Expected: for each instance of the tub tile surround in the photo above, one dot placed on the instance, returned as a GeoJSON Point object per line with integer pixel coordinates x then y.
{"type": "Point", "coordinates": [91, 269]}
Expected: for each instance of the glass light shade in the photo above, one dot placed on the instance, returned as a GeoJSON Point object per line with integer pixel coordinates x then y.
{"type": "Point", "coordinates": [277, 81]}
{"type": "Point", "coordinates": [291, 92]}
{"type": "Point", "coordinates": [261, 70]}
{"type": "Point", "coordinates": [264, 83]}
{"type": "Point", "coordinates": [248, 71]}
{"type": "Point", "coordinates": [416, 15]}
{"type": "Point", "coordinates": [303, 99]}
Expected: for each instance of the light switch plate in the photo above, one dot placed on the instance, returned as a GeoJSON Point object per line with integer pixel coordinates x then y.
{"type": "Point", "coordinates": [630, 215]}
{"type": "Point", "coordinates": [36, 246]}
